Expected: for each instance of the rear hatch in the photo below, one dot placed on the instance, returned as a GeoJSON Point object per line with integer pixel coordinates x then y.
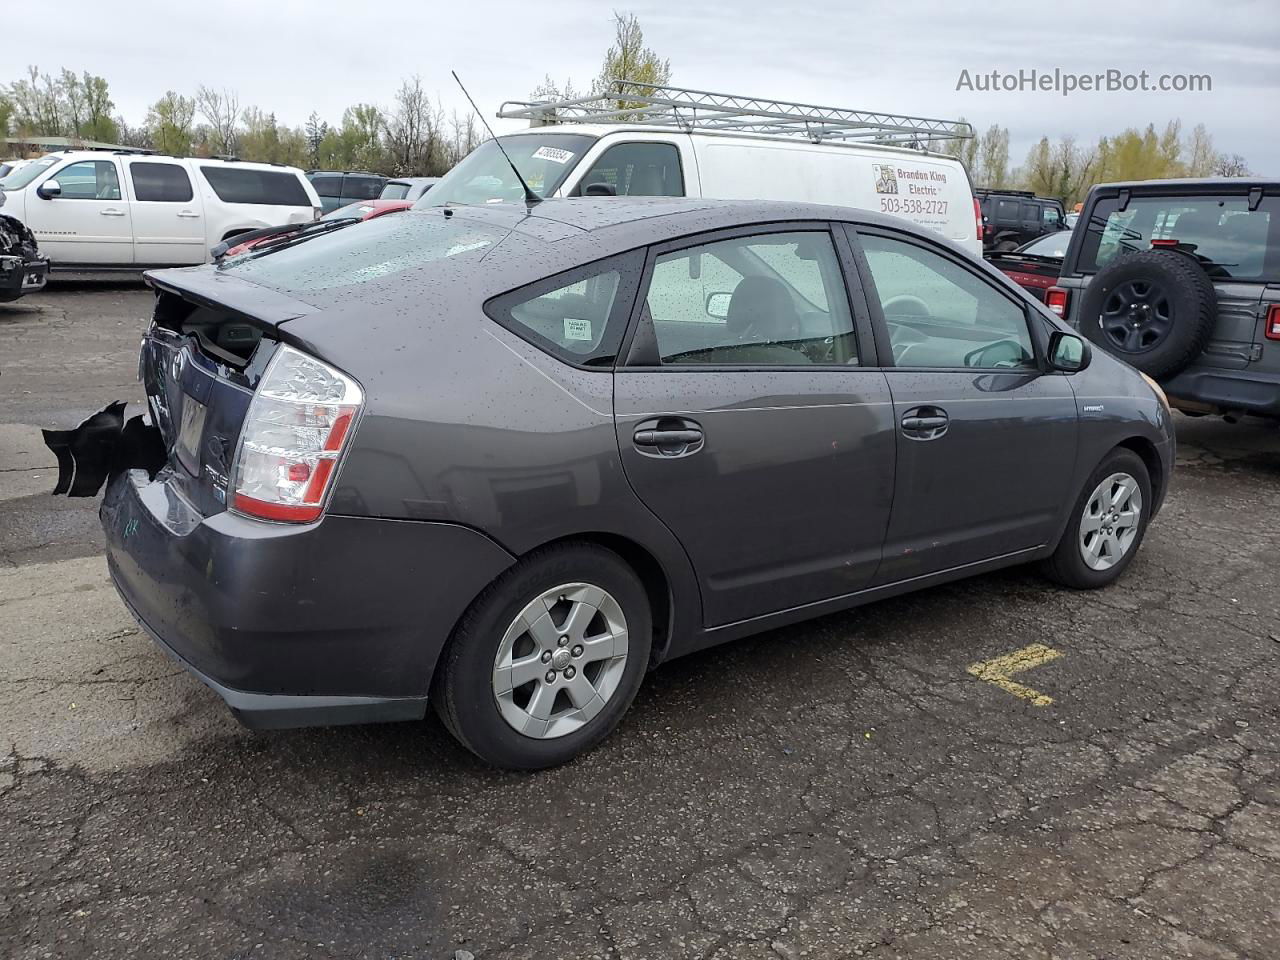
{"type": "Point", "coordinates": [200, 363]}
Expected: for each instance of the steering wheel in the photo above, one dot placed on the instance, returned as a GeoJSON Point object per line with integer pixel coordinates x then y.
{"type": "Point", "coordinates": [915, 307]}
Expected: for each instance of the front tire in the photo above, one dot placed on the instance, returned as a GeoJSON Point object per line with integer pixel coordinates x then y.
{"type": "Point", "coordinates": [546, 661]}
{"type": "Point", "coordinates": [1107, 524]}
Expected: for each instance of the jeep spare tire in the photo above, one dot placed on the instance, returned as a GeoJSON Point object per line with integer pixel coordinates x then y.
{"type": "Point", "coordinates": [1155, 310]}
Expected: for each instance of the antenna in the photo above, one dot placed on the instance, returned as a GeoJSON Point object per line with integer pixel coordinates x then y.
{"type": "Point", "coordinates": [530, 198]}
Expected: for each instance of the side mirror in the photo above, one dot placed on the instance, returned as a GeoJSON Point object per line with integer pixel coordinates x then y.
{"type": "Point", "coordinates": [1068, 353]}
{"type": "Point", "coordinates": [49, 189]}
{"type": "Point", "coordinates": [600, 190]}
{"type": "Point", "coordinates": [718, 305]}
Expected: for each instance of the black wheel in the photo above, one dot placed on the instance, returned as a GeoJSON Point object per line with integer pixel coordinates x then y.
{"type": "Point", "coordinates": [1106, 526]}
{"type": "Point", "coordinates": [1155, 310]}
{"type": "Point", "coordinates": [1004, 246]}
{"type": "Point", "coordinates": [547, 660]}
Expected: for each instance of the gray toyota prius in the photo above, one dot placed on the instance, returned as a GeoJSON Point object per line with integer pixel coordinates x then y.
{"type": "Point", "coordinates": [506, 459]}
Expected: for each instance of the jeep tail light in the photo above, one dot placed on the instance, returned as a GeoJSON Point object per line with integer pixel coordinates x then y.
{"type": "Point", "coordinates": [977, 216]}
{"type": "Point", "coordinates": [1272, 327]}
{"type": "Point", "coordinates": [1055, 298]}
{"type": "Point", "coordinates": [298, 424]}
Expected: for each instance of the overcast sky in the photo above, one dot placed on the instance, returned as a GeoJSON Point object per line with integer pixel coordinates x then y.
{"type": "Point", "coordinates": [295, 57]}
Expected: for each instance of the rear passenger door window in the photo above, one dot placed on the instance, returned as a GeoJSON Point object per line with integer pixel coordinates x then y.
{"type": "Point", "coordinates": [773, 299]}
{"type": "Point", "coordinates": [160, 182]}
{"type": "Point", "coordinates": [637, 170]}
{"type": "Point", "coordinates": [941, 315]}
{"type": "Point", "coordinates": [361, 188]}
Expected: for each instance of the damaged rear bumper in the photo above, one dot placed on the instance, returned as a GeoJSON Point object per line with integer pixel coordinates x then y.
{"type": "Point", "coordinates": [340, 621]}
{"type": "Point", "coordinates": [19, 276]}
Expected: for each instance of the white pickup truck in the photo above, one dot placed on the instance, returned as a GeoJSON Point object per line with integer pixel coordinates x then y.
{"type": "Point", "coordinates": [92, 210]}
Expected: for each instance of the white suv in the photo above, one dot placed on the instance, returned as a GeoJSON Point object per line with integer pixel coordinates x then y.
{"type": "Point", "coordinates": [92, 210]}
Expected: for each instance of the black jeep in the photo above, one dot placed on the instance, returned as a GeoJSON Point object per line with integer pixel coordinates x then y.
{"type": "Point", "coordinates": [1181, 279]}
{"type": "Point", "coordinates": [1011, 218]}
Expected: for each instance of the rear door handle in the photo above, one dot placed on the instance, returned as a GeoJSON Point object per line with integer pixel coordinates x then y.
{"type": "Point", "coordinates": [668, 437]}
{"type": "Point", "coordinates": [188, 214]}
{"type": "Point", "coordinates": [111, 212]}
{"type": "Point", "coordinates": [925, 423]}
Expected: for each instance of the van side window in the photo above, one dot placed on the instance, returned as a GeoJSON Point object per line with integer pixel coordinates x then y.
{"type": "Point", "coordinates": [637, 170]}
{"type": "Point", "coordinates": [249, 185]}
{"type": "Point", "coordinates": [161, 182]}
{"type": "Point", "coordinates": [89, 180]}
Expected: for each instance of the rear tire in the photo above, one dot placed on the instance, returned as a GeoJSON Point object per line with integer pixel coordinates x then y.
{"type": "Point", "coordinates": [519, 681]}
{"type": "Point", "coordinates": [1100, 540]}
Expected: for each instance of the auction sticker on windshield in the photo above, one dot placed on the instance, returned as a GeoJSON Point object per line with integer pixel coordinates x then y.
{"type": "Point", "coordinates": [554, 154]}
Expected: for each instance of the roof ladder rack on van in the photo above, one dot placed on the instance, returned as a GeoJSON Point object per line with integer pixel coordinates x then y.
{"type": "Point", "coordinates": [645, 104]}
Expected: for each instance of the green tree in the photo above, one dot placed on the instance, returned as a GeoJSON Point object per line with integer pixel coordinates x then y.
{"type": "Point", "coordinates": [6, 114]}
{"type": "Point", "coordinates": [97, 124]}
{"type": "Point", "coordinates": [39, 105]}
{"type": "Point", "coordinates": [628, 60]}
{"type": "Point", "coordinates": [170, 120]}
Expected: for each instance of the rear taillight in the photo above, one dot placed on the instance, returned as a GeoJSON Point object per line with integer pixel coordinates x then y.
{"type": "Point", "coordinates": [1272, 325]}
{"type": "Point", "coordinates": [298, 424]}
{"type": "Point", "coordinates": [977, 216]}
{"type": "Point", "coordinates": [1055, 298]}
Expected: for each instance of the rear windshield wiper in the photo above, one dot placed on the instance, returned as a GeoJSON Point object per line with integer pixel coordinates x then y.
{"type": "Point", "coordinates": [287, 236]}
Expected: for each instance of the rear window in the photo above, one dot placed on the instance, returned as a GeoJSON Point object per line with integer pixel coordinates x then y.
{"type": "Point", "coordinates": [271, 187]}
{"type": "Point", "coordinates": [365, 252]}
{"type": "Point", "coordinates": [1230, 240]}
{"type": "Point", "coordinates": [162, 182]}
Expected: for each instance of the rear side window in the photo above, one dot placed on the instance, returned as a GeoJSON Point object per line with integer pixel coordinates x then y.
{"type": "Point", "coordinates": [774, 299]}
{"type": "Point", "coordinates": [162, 182]}
{"type": "Point", "coordinates": [1230, 240]}
{"type": "Point", "coordinates": [1007, 209]}
{"type": "Point", "coordinates": [638, 170]}
{"type": "Point", "coordinates": [1031, 211]}
{"type": "Point", "coordinates": [270, 187]}
{"type": "Point", "coordinates": [328, 185]}
{"type": "Point", "coordinates": [578, 316]}
{"type": "Point", "coordinates": [1052, 216]}
{"type": "Point", "coordinates": [394, 191]}
{"type": "Point", "coordinates": [361, 188]}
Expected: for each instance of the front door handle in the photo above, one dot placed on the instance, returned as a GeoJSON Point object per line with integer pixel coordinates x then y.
{"type": "Point", "coordinates": [925, 423]}
{"type": "Point", "coordinates": [111, 212]}
{"type": "Point", "coordinates": [668, 437]}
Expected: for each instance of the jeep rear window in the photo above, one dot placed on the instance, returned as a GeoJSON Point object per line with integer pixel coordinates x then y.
{"type": "Point", "coordinates": [363, 252]}
{"type": "Point", "coordinates": [1230, 240]}
{"type": "Point", "coordinates": [270, 187]}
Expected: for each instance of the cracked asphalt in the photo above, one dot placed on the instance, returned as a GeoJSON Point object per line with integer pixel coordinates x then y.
{"type": "Point", "coordinates": [843, 788]}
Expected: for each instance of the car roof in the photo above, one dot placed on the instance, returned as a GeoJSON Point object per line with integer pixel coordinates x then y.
{"type": "Point", "coordinates": [1193, 183]}
{"type": "Point", "coordinates": [140, 155]}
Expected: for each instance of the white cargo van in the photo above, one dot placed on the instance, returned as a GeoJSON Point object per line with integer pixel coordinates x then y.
{"type": "Point", "coordinates": [667, 141]}
{"type": "Point", "coordinates": [93, 210]}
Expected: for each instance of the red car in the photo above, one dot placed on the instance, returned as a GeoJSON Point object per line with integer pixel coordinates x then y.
{"type": "Point", "coordinates": [1034, 266]}
{"type": "Point", "coordinates": [352, 212]}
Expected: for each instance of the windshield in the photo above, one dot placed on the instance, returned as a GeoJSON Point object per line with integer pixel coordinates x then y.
{"type": "Point", "coordinates": [1053, 245]}
{"type": "Point", "coordinates": [364, 252]}
{"type": "Point", "coordinates": [25, 174]}
{"type": "Point", "coordinates": [484, 176]}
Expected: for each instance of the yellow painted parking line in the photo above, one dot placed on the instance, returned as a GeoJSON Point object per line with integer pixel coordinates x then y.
{"type": "Point", "coordinates": [999, 671]}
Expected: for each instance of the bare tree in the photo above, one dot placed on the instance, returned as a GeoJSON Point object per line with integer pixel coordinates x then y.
{"type": "Point", "coordinates": [39, 104]}
{"type": "Point", "coordinates": [993, 156]}
{"type": "Point", "coordinates": [170, 120]}
{"type": "Point", "coordinates": [1232, 165]}
{"type": "Point", "coordinates": [414, 131]}
{"type": "Point", "coordinates": [221, 111]}
{"type": "Point", "coordinates": [1201, 155]}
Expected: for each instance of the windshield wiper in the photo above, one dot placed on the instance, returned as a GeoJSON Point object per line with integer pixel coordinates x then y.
{"type": "Point", "coordinates": [286, 236]}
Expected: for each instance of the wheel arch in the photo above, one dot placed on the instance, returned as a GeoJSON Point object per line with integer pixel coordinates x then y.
{"type": "Point", "coordinates": [1146, 450]}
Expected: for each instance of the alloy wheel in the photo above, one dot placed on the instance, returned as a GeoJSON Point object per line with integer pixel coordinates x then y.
{"type": "Point", "coordinates": [560, 660]}
{"type": "Point", "coordinates": [1110, 522]}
